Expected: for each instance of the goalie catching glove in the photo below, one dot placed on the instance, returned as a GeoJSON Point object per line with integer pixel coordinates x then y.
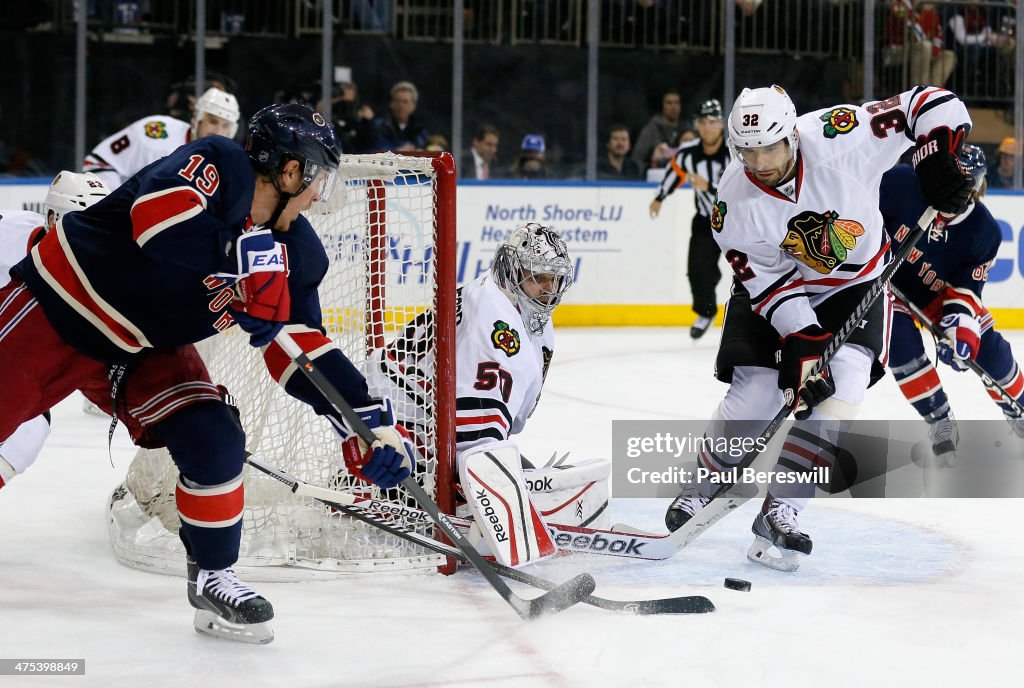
{"type": "Point", "coordinates": [390, 459]}
{"type": "Point", "coordinates": [264, 303]}
{"type": "Point", "coordinates": [800, 351]}
{"type": "Point", "coordinates": [944, 184]}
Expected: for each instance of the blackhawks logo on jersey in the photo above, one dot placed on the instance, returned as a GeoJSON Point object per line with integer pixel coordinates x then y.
{"type": "Point", "coordinates": [156, 130]}
{"type": "Point", "coordinates": [505, 338]}
{"type": "Point", "coordinates": [718, 211]}
{"type": "Point", "coordinates": [839, 121]}
{"type": "Point", "coordinates": [821, 240]}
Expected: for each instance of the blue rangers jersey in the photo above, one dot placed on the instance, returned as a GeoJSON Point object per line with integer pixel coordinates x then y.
{"type": "Point", "coordinates": [952, 260]}
{"type": "Point", "coordinates": [148, 266]}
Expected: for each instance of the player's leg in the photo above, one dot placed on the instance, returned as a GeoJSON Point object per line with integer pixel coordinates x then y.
{"type": "Point", "coordinates": [996, 358]}
{"type": "Point", "coordinates": [170, 401]}
{"type": "Point", "coordinates": [703, 273]}
{"type": "Point", "coordinates": [811, 444]}
{"type": "Point", "coordinates": [38, 369]}
{"type": "Point", "coordinates": [919, 382]}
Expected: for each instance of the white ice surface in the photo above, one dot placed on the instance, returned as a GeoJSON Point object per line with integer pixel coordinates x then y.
{"type": "Point", "coordinates": [910, 592]}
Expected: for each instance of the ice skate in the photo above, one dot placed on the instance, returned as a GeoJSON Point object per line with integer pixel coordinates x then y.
{"type": "Point", "coordinates": [1016, 425]}
{"type": "Point", "coordinates": [228, 608]}
{"type": "Point", "coordinates": [945, 437]}
{"type": "Point", "coordinates": [776, 526]}
{"type": "Point", "coordinates": [683, 507]}
{"type": "Point", "coordinates": [700, 326]}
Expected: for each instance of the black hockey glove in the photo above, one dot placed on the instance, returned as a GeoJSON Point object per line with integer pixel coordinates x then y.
{"type": "Point", "coordinates": [944, 184]}
{"type": "Point", "coordinates": [799, 352]}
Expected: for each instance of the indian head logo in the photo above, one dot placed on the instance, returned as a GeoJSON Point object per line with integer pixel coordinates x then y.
{"type": "Point", "coordinates": [821, 240]}
{"type": "Point", "coordinates": [718, 211]}
{"type": "Point", "coordinates": [838, 121]}
{"type": "Point", "coordinates": [156, 130]}
{"type": "Point", "coordinates": [505, 338]}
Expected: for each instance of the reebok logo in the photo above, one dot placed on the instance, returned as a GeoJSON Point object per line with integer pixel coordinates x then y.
{"type": "Point", "coordinates": [539, 485]}
{"type": "Point", "coordinates": [488, 512]}
{"type": "Point", "coordinates": [389, 509]}
{"type": "Point", "coordinates": [584, 542]}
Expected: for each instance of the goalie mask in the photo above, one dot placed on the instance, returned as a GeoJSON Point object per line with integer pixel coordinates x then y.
{"type": "Point", "coordinates": [70, 191]}
{"type": "Point", "coordinates": [220, 104]}
{"type": "Point", "coordinates": [759, 118]}
{"type": "Point", "coordinates": [533, 268]}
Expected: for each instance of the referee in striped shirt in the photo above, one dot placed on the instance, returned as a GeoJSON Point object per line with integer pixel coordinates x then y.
{"type": "Point", "coordinates": [702, 162]}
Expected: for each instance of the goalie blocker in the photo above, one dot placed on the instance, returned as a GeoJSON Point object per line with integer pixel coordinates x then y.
{"type": "Point", "coordinates": [512, 506]}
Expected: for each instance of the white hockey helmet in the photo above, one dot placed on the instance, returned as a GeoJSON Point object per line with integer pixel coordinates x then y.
{"type": "Point", "coordinates": [761, 117]}
{"type": "Point", "coordinates": [531, 250]}
{"type": "Point", "coordinates": [70, 191]}
{"type": "Point", "coordinates": [219, 103]}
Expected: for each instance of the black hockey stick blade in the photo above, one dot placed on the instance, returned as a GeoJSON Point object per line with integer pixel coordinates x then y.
{"type": "Point", "coordinates": [687, 604]}
{"type": "Point", "coordinates": [567, 594]}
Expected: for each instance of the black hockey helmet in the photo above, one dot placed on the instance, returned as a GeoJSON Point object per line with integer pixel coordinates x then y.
{"type": "Point", "coordinates": [972, 160]}
{"type": "Point", "coordinates": [710, 108]}
{"type": "Point", "coordinates": [282, 132]}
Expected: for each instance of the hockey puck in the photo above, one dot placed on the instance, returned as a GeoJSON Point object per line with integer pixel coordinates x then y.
{"type": "Point", "coordinates": [737, 584]}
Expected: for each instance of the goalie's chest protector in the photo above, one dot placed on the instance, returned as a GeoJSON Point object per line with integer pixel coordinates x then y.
{"type": "Point", "coordinates": [496, 355]}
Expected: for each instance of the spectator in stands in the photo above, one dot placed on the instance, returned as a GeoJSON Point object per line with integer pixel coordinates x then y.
{"type": "Point", "coordinates": [664, 127]}
{"type": "Point", "coordinates": [372, 15]}
{"type": "Point", "coordinates": [616, 165]}
{"type": "Point", "coordinates": [1000, 172]}
{"type": "Point", "coordinates": [531, 162]}
{"type": "Point", "coordinates": [347, 113]}
{"type": "Point", "coordinates": [401, 129]}
{"type": "Point", "coordinates": [436, 143]}
{"type": "Point", "coordinates": [748, 7]}
{"type": "Point", "coordinates": [976, 46]}
{"type": "Point", "coordinates": [479, 161]}
{"type": "Point", "coordinates": [916, 38]}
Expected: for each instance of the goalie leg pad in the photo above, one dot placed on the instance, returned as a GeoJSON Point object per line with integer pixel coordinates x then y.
{"type": "Point", "coordinates": [509, 524]}
{"type": "Point", "coordinates": [572, 495]}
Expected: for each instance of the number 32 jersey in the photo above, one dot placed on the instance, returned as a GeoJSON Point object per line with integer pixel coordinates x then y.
{"type": "Point", "coordinates": [500, 367]}
{"type": "Point", "coordinates": [793, 246]}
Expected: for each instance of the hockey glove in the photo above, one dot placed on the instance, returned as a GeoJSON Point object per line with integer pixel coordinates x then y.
{"type": "Point", "coordinates": [944, 184]}
{"type": "Point", "coordinates": [391, 458]}
{"type": "Point", "coordinates": [800, 351]}
{"type": "Point", "coordinates": [264, 302]}
{"type": "Point", "coordinates": [960, 341]}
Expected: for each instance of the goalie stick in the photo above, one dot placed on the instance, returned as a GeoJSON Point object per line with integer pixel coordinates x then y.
{"type": "Point", "coordinates": [986, 379]}
{"type": "Point", "coordinates": [721, 504]}
{"type": "Point", "coordinates": [561, 597]}
{"type": "Point", "coordinates": [350, 505]}
{"type": "Point", "coordinates": [629, 544]}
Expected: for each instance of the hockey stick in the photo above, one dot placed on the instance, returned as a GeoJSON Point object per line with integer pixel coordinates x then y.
{"type": "Point", "coordinates": [577, 539]}
{"type": "Point", "coordinates": [720, 504]}
{"type": "Point", "coordinates": [561, 597]}
{"type": "Point", "coordinates": [350, 505]}
{"type": "Point", "coordinates": [986, 379]}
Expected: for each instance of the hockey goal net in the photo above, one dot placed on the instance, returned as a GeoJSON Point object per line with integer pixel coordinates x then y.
{"type": "Point", "coordinates": [389, 232]}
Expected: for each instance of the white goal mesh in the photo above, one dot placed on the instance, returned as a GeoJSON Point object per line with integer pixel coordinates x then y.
{"type": "Point", "coordinates": [389, 235]}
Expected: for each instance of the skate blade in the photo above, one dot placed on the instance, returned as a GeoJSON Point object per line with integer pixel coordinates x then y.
{"type": "Point", "coordinates": [760, 552]}
{"type": "Point", "coordinates": [211, 624]}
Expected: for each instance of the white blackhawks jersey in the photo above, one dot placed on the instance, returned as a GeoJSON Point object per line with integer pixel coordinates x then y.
{"type": "Point", "coordinates": [121, 155]}
{"type": "Point", "coordinates": [17, 228]}
{"type": "Point", "coordinates": [822, 232]}
{"type": "Point", "coordinates": [500, 368]}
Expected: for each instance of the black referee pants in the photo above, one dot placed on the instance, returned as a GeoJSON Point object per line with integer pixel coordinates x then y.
{"type": "Point", "coordinates": [702, 267]}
